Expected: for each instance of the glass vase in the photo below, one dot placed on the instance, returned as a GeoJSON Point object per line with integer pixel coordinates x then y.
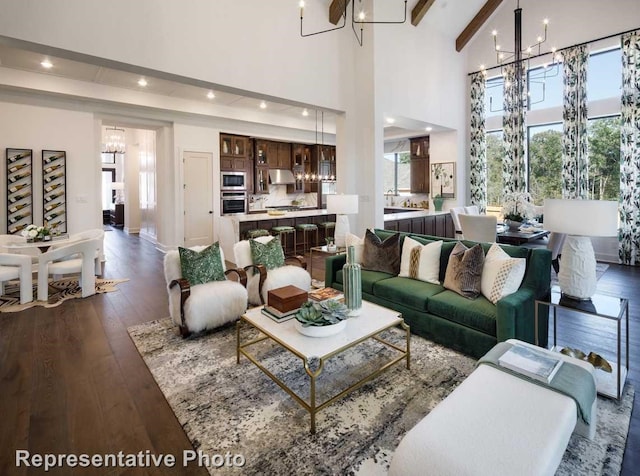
{"type": "Point", "coordinates": [352, 273]}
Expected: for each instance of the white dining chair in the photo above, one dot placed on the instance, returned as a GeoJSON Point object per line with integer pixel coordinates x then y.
{"type": "Point", "coordinates": [455, 212]}
{"type": "Point", "coordinates": [472, 210]}
{"type": "Point", "coordinates": [92, 234]}
{"type": "Point", "coordinates": [15, 266]}
{"type": "Point", "coordinates": [480, 228]}
{"type": "Point", "coordinates": [80, 258]}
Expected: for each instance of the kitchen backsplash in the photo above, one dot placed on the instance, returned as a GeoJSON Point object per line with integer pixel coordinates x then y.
{"type": "Point", "coordinates": [416, 200]}
{"type": "Point", "coordinates": [278, 196]}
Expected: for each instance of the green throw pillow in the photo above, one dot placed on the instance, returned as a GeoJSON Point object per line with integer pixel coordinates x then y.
{"type": "Point", "coordinates": [200, 267]}
{"type": "Point", "coordinates": [269, 254]}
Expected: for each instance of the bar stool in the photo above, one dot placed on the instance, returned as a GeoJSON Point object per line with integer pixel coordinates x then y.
{"type": "Point", "coordinates": [256, 233]}
{"type": "Point", "coordinates": [306, 228]}
{"type": "Point", "coordinates": [279, 231]}
{"type": "Point", "coordinates": [328, 229]}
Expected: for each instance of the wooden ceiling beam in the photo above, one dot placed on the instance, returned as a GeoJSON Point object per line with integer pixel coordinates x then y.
{"type": "Point", "coordinates": [472, 28]}
{"type": "Point", "coordinates": [336, 10]}
{"type": "Point", "coordinates": [420, 10]}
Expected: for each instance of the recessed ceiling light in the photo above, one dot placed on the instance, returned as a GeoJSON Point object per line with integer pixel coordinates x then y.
{"type": "Point", "coordinates": [305, 113]}
{"type": "Point", "coordinates": [210, 95]}
{"type": "Point", "coordinates": [263, 105]}
{"type": "Point", "coordinates": [142, 82]}
{"type": "Point", "coordinates": [46, 64]}
{"type": "Point", "coordinates": [429, 129]}
{"type": "Point", "coordinates": [390, 120]}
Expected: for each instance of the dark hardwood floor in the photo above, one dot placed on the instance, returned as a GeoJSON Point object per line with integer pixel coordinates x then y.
{"type": "Point", "coordinates": [71, 380]}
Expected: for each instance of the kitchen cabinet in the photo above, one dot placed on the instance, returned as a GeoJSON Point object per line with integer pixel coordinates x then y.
{"type": "Point", "coordinates": [419, 175]}
{"type": "Point", "coordinates": [278, 155]}
{"type": "Point", "coordinates": [261, 179]}
{"type": "Point", "coordinates": [298, 175]}
{"type": "Point", "coordinates": [420, 147]}
{"type": "Point", "coordinates": [434, 225]}
{"type": "Point", "coordinates": [234, 153]}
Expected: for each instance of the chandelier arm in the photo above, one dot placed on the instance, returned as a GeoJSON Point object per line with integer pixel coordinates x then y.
{"type": "Point", "coordinates": [344, 23]}
{"type": "Point", "coordinates": [353, 27]}
{"type": "Point", "coordinates": [362, 22]}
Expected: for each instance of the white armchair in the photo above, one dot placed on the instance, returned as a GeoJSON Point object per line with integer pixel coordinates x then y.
{"type": "Point", "coordinates": [92, 234]}
{"type": "Point", "coordinates": [14, 266]}
{"type": "Point", "coordinates": [203, 306]}
{"type": "Point", "coordinates": [74, 258]}
{"type": "Point", "coordinates": [260, 281]}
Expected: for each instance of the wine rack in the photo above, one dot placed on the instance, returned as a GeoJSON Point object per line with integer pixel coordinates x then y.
{"type": "Point", "coordinates": [19, 189]}
{"type": "Point", "coordinates": [54, 189]}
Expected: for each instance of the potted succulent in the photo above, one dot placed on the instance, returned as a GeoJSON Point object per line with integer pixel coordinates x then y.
{"type": "Point", "coordinates": [321, 319]}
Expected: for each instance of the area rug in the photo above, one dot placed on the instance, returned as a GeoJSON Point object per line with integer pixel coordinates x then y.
{"type": "Point", "coordinates": [59, 292]}
{"type": "Point", "coordinates": [228, 407]}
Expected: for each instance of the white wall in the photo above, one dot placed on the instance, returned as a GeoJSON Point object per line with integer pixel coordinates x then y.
{"type": "Point", "coordinates": [253, 45]}
{"type": "Point", "coordinates": [38, 128]}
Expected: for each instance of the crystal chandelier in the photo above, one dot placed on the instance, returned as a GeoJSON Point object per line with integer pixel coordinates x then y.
{"type": "Point", "coordinates": [114, 141]}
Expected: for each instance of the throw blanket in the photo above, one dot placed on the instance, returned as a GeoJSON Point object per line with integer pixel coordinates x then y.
{"type": "Point", "coordinates": [570, 380]}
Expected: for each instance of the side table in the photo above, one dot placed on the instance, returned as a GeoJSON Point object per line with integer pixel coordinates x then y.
{"type": "Point", "coordinates": [325, 252]}
{"type": "Point", "coordinates": [601, 306]}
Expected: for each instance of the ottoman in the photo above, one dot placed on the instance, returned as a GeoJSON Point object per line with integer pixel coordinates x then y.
{"type": "Point", "coordinates": [493, 423]}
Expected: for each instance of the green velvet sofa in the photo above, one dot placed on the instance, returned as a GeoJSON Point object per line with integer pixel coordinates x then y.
{"type": "Point", "coordinates": [472, 326]}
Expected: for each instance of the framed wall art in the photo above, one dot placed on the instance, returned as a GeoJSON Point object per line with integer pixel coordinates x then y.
{"type": "Point", "coordinates": [19, 189]}
{"type": "Point", "coordinates": [443, 179]}
{"type": "Point", "coordinates": [54, 189]}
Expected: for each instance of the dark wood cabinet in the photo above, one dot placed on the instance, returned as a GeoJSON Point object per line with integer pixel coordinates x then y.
{"type": "Point", "coordinates": [419, 175]}
{"type": "Point", "coordinates": [434, 225]}
{"type": "Point", "coordinates": [420, 147]}
{"type": "Point", "coordinates": [420, 165]}
{"type": "Point", "coordinates": [234, 153]}
{"type": "Point", "coordinates": [261, 179]}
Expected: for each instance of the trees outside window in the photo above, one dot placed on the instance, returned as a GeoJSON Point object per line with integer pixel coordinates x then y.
{"type": "Point", "coordinates": [545, 162]}
{"type": "Point", "coordinates": [495, 153]}
{"type": "Point", "coordinates": [604, 158]}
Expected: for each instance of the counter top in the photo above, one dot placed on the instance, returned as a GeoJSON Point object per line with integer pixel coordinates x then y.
{"type": "Point", "coordinates": [417, 214]}
{"type": "Point", "coordinates": [265, 216]}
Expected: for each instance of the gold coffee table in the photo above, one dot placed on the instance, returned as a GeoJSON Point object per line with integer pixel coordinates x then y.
{"type": "Point", "coordinates": [372, 321]}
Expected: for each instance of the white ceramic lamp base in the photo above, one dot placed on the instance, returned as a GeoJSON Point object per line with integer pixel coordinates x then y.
{"type": "Point", "coordinates": [341, 230]}
{"type": "Point", "coordinates": [577, 277]}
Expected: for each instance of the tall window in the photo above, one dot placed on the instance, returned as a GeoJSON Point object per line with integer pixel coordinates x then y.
{"type": "Point", "coordinates": [604, 158]}
{"type": "Point", "coordinates": [544, 140]}
{"type": "Point", "coordinates": [604, 75]}
{"type": "Point", "coordinates": [495, 153]}
{"type": "Point", "coordinates": [545, 162]}
{"type": "Point", "coordinates": [397, 173]}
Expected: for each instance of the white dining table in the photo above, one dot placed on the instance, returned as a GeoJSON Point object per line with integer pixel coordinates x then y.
{"type": "Point", "coordinates": [42, 246]}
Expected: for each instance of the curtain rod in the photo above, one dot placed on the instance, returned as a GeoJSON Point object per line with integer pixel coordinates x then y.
{"type": "Point", "coordinates": [558, 50]}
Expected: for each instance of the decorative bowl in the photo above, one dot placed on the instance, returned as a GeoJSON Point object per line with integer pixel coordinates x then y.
{"type": "Point", "coordinates": [321, 331]}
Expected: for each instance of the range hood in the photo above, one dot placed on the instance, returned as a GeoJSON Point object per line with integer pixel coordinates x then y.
{"type": "Point", "coordinates": [281, 177]}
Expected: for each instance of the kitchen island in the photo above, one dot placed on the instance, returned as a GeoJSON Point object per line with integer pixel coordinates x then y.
{"type": "Point", "coordinates": [419, 221]}
{"type": "Point", "coordinates": [233, 227]}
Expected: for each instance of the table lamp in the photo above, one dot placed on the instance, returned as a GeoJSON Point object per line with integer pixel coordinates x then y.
{"type": "Point", "coordinates": [118, 187]}
{"type": "Point", "coordinates": [580, 220]}
{"type": "Point", "coordinates": [342, 205]}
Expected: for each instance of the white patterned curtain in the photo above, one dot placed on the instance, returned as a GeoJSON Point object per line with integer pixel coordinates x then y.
{"type": "Point", "coordinates": [629, 247]}
{"type": "Point", "coordinates": [478, 149]}
{"type": "Point", "coordinates": [575, 159]}
{"type": "Point", "coordinates": [513, 124]}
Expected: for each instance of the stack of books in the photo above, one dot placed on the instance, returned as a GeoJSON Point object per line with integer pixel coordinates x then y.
{"type": "Point", "coordinates": [278, 316]}
{"type": "Point", "coordinates": [324, 294]}
{"type": "Point", "coordinates": [530, 362]}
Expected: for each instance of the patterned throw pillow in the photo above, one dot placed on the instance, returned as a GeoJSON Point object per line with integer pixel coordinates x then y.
{"type": "Point", "coordinates": [420, 261]}
{"type": "Point", "coordinates": [502, 274]}
{"type": "Point", "coordinates": [270, 254]}
{"type": "Point", "coordinates": [200, 267]}
{"type": "Point", "coordinates": [464, 270]}
{"type": "Point", "coordinates": [381, 255]}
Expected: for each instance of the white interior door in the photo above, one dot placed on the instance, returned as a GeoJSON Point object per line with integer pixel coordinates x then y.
{"type": "Point", "coordinates": [198, 198]}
